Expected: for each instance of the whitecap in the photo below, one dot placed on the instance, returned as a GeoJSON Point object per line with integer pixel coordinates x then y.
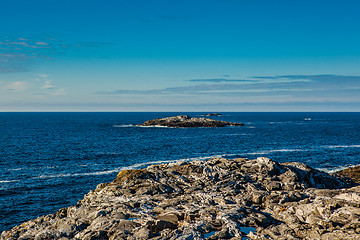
{"type": "Point", "coordinates": [288, 150]}
{"type": "Point", "coordinates": [82, 165]}
{"type": "Point", "coordinates": [335, 169]}
{"type": "Point", "coordinates": [8, 181]}
{"type": "Point", "coordinates": [285, 122]}
{"type": "Point", "coordinates": [275, 150]}
{"type": "Point", "coordinates": [65, 175]}
{"type": "Point", "coordinates": [123, 125]}
{"type": "Point", "coordinates": [15, 169]}
{"type": "Point", "coordinates": [342, 146]}
{"type": "Point", "coordinates": [154, 126]}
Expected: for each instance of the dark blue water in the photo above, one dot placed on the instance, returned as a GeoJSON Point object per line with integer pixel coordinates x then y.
{"type": "Point", "coordinates": [50, 160]}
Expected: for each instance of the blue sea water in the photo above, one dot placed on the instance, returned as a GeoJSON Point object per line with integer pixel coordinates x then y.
{"type": "Point", "coordinates": [50, 160]}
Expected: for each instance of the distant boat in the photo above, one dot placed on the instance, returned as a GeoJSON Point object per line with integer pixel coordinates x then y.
{"type": "Point", "coordinates": [307, 119]}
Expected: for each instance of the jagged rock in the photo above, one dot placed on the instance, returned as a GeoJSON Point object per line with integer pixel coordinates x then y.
{"type": "Point", "coordinates": [214, 199]}
{"type": "Point", "coordinates": [186, 121]}
{"type": "Point", "coordinates": [352, 173]}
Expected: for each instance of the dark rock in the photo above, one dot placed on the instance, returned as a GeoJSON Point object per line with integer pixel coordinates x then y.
{"type": "Point", "coordinates": [271, 186]}
{"type": "Point", "coordinates": [121, 216]}
{"type": "Point", "coordinates": [212, 114]}
{"type": "Point", "coordinates": [159, 225]}
{"type": "Point", "coordinates": [126, 225]}
{"type": "Point", "coordinates": [185, 121]}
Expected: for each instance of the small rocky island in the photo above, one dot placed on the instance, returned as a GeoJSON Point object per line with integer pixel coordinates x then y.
{"type": "Point", "coordinates": [184, 121]}
{"type": "Point", "coordinates": [215, 199]}
{"type": "Point", "coordinates": [212, 114]}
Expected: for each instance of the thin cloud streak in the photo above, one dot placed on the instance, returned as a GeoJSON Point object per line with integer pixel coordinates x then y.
{"type": "Point", "coordinates": [17, 45]}
{"type": "Point", "coordinates": [290, 93]}
{"type": "Point", "coordinates": [292, 83]}
{"type": "Point", "coordinates": [216, 80]}
{"type": "Point", "coordinates": [225, 89]}
{"type": "Point", "coordinates": [21, 54]}
{"type": "Point", "coordinates": [314, 78]}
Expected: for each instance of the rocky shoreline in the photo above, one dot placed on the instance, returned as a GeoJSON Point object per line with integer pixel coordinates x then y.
{"type": "Point", "coordinates": [215, 199]}
{"type": "Point", "coordinates": [184, 121]}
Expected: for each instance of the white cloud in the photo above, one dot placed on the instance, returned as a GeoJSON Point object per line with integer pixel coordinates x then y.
{"type": "Point", "coordinates": [41, 43]}
{"type": "Point", "coordinates": [24, 44]}
{"type": "Point", "coordinates": [60, 92]}
{"type": "Point", "coordinates": [43, 75]}
{"type": "Point", "coordinates": [48, 85]}
{"type": "Point", "coordinates": [17, 86]}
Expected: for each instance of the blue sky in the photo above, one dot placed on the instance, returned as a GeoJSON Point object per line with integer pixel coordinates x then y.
{"type": "Point", "coordinates": [213, 55]}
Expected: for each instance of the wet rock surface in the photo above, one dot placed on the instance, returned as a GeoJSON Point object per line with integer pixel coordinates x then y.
{"type": "Point", "coordinates": [214, 199]}
{"type": "Point", "coordinates": [186, 121]}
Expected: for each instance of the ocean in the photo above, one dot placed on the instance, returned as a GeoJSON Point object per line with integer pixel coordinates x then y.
{"type": "Point", "coordinates": [50, 160]}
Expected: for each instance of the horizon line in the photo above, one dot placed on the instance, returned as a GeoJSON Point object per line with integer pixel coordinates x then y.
{"type": "Point", "coordinates": [115, 111]}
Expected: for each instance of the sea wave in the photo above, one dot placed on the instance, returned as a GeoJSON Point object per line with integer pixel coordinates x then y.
{"type": "Point", "coordinates": [342, 146]}
{"type": "Point", "coordinates": [123, 125]}
{"type": "Point", "coordinates": [65, 175]}
{"type": "Point", "coordinates": [154, 126]}
{"type": "Point", "coordinates": [203, 158]}
{"type": "Point", "coordinates": [8, 181]}
{"type": "Point", "coordinates": [145, 164]}
{"type": "Point", "coordinates": [132, 125]}
{"type": "Point", "coordinates": [29, 168]}
{"type": "Point", "coordinates": [275, 150]}
{"type": "Point", "coordinates": [335, 169]}
{"type": "Point", "coordinates": [15, 169]}
{"type": "Point", "coordinates": [116, 170]}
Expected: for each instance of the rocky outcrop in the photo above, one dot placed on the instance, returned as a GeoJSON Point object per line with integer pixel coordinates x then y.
{"type": "Point", "coordinates": [351, 172]}
{"type": "Point", "coordinates": [214, 199]}
{"type": "Point", "coordinates": [186, 121]}
{"type": "Point", "coordinates": [212, 114]}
